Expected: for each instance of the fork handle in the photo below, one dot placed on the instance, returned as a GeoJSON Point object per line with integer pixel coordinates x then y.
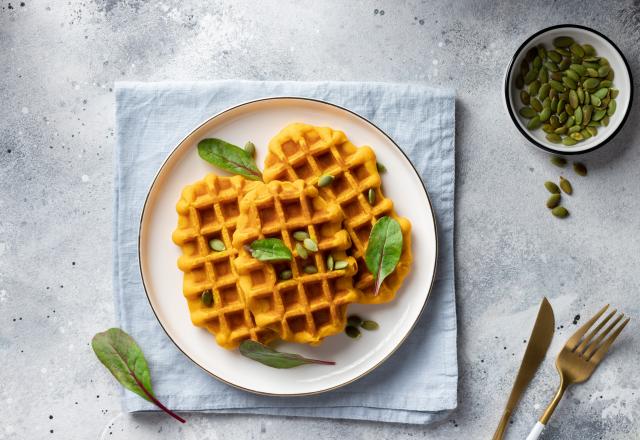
{"type": "Point", "coordinates": [536, 431]}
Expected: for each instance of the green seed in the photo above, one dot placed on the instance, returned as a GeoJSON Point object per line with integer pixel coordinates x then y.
{"type": "Point", "coordinates": [565, 185]}
{"type": "Point", "coordinates": [592, 72]}
{"type": "Point", "coordinates": [552, 187]}
{"type": "Point", "coordinates": [611, 109]}
{"type": "Point", "coordinates": [310, 269]}
{"type": "Point", "coordinates": [530, 76]}
{"type": "Point", "coordinates": [574, 129]}
{"type": "Point", "coordinates": [578, 115]}
{"type": "Point", "coordinates": [286, 274]}
{"type": "Point", "coordinates": [578, 68]}
{"type": "Point", "coordinates": [330, 262]}
{"type": "Point", "coordinates": [560, 212]}
{"type": "Point", "coordinates": [554, 56]}
{"type": "Point", "coordinates": [564, 64]}
{"type": "Point", "coordinates": [573, 75]}
{"type": "Point", "coordinates": [354, 320]}
{"type": "Point", "coordinates": [585, 133]}
{"type": "Point", "coordinates": [560, 130]}
{"type": "Point", "coordinates": [250, 148]}
{"type": "Point", "coordinates": [352, 332]}
{"type": "Point", "coordinates": [207, 298]}
{"type": "Point", "coordinates": [606, 83]}
{"type": "Point", "coordinates": [217, 245]}
{"type": "Point", "coordinates": [557, 76]}
{"type": "Point", "coordinates": [601, 93]}
{"type": "Point", "coordinates": [554, 138]}
{"type": "Point", "coordinates": [605, 121]}
{"type": "Point", "coordinates": [580, 93]}
{"type": "Point", "coordinates": [595, 101]}
{"type": "Point", "coordinates": [563, 52]}
{"type": "Point", "coordinates": [569, 142]}
{"type": "Point", "coordinates": [553, 200]}
{"type": "Point", "coordinates": [598, 115]}
{"type": "Point", "coordinates": [591, 83]}
{"type": "Point", "coordinates": [537, 62]}
{"type": "Point", "coordinates": [573, 98]}
{"type": "Point", "coordinates": [554, 121]}
{"type": "Point", "coordinates": [325, 180]}
{"type": "Point", "coordinates": [340, 264]}
{"type": "Point", "coordinates": [579, 169]}
{"type": "Point", "coordinates": [589, 50]}
{"type": "Point", "coordinates": [545, 114]}
{"type": "Point", "coordinates": [550, 66]}
{"type": "Point", "coordinates": [371, 196]}
{"type": "Point", "coordinates": [543, 75]}
{"type": "Point", "coordinates": [300, 235]}
{"type": "Point", "coordinates": [577, 136]}
{"type": "Point", "coordinates": [534, 123]}
{"type": "Point", "coordinates": [592, 130]}
{"type": "Point", "coordinates": [587, 98]}
{"type": "Point", "coordinates": [524, 97]}
{"type": "Point", "coordinates": [614, 93]}
{"type": "Point", "coordinates": [536, 104]}
{"type": "Point", "coordinates": [569, 83]}
{"type": "Point", "coordinates": [527, 112]}
{"type": "Point", "coordinates": [547, 128]}
{"type": "Point", "coordinates": [382, 169]}
{"type": "Point", "coordinates": [557, 85]}
{"type": "Point", "coordinates": [543, 92]}
{"type": "Point", "coordinates": [302, 252]}
{"type": "Point", "coordinates": [570, 121]}
{"type": "Point", "coordinates": [310, 245]}
{"type": "Point", "coordinates": [558, 161]}
{"type": "Point", "coordinates": [369, 325]}
{"type": "Point", "coordinates": [577, 50]}
{"type": "Point", "coordinates": [604, 71]}
{"type": "Point", "coordinates": [563, 41]}
{"type": "Point", "coordinates": [562, 117]}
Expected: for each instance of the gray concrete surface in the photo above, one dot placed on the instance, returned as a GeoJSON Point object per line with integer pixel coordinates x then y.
{"type": "Point", "coordinates": [58, 63]}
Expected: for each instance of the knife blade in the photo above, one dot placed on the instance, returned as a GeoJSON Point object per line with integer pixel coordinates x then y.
{"type": "Point", "coordinates": [537, 346]}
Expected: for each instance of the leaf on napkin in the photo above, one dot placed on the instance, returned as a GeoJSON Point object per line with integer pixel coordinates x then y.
{"type": "Point", "coordinates": [273, 358]}
{"type": "Point", "coordinates": [383, 250]}
{"type": "Point", "coordinates": [229, 157]}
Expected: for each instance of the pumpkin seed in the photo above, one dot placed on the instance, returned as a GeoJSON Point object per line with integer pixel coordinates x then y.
{"type": "Point", "coordinates": [560, 130]}
{"type": "Point", "coordinates": [560, 212]}
{"type": "Point", "coordinates": [611, 109]}
{"type": "Point", "coordinates": [614, 93]}
{"type": "Point", "coordinates": [563, 41]}
{"type": "Point", "coordinates": [605, 121]}
{"type": "Point", "coordinates": [570, 121]}
{"type": "Point", "coordinates": [586, 114]}
{"type": "Point", "coordinates": [330, 262]}
{"type": "Point", "coordinates": [552, 187]}
{"type": "Point", "coordinates": [324, 180]}
{"type": "Point", "coordinates": [587, 98]}
{"type": "Point", "coordinates": [598, 115]}
{"type": "Point", "coordinates": [352, 332]}
{"type": "Point", "coordinates": [577, 135]}
{"type": "Point", "coordinates": [524, 97]}
{"type": "Point", "coordinates": [595, 101]}
{"type": "Point", "coordinates": [551, 66]}
{"type": "Point", "coordinates": [286, 274]}
{"type": "Point", "coordinates": [585, 134]}
{"type": "Point", "coordinates": [606, 83]}
{"type": "Point", "coordinates": [543, 76]}
{"type": "Point", "coordinates": [563, 52]}
{"type": "Point", "coordinates": [554, 56]}
{"type": "Point", "coordinates": [577, 50]}
{"type": "Point", "coordinates": [371, 196]}
{"type": "Point", "coordinates": [553, 137]}
{"type": "Point", "coordinates": [580, 94]}
{"type": "Point", "coordinates": [534, 123]}
{"type": "Point", "coordinates": [558, 161]}
{"type": "Point", "coordinates": [604, 71]}
{"type": "Point", "coordinates": [554, 121]}
{"type": "Point", "coordinates": [534, 88]}
{"type": "Point", "coordinates": [310, 245]}
{"type": "Point", "coordinates": [553, 200]}
{"type": "Point", "coordinates": [579, 69]}
{"type": "Point", "coordinates": [354, 320]}
{"type": "Point", "coordinates": [578, 115]}
{"type": "Point", "coordinates": [571, 74]}
{"type": "Point", "coordinates": [589, 50]}
{"type": "Point", "coordinates": [300, 235]}
{"type": "Point", "coordinates": [302, 252]}
{"type": "Point", "coordinates": [574, 129]}
{"type": "Point", "coordinates": [580, 169]}
{"type": "Point", "coordinates": [217, 245]}
{"type": "Point", "coordinates": [569, 83]}
{"type": "Point", "coordinates": [369, 325]}
{"type": "Point", "coordinates": [547, 128]}
{"type": "Point", "coordinates": [591, 83]}
{"type": "Point", "coordinates": [250, 148]}
{"type": "Point", "coordinates": [206, 298]}
{"type": "Point", "coordinates": [544, 91]}
{"type": "Point", "coordinates": [382, 169]}
{"type": "Point", "coordinates": [573, 99]}
{"type": "Point", "coordinates": [310, 269]}
{"type": "Point", "coordinates": [601, 93]}
{"type": "Point", "coordinates": [557, 85]}
{"type": "Point", "coordinates": [340, 264]}
{"type": "Point", "coordinates": [527, 112]}
{"type": "Point", "coordinates": [545, 114]}
{"type": "Point", "coordinates": [562, 117]}
{"type": "Point", "coordinates": [569, 142]}
{"type": "Point", "coordinates": [530, 76]}
{"type": "Point", "coordinates": [592, 130]}
{"type": "Point", "coordinates": [536, 104]}
{"type": "Point", "coordinates": [560, 106]}
{"type": "Point", "coordinates": [593, 73]}
{"type": "Point", "coordinates": [565, 185]}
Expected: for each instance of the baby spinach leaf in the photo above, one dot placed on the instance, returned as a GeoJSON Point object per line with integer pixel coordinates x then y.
{"type": "Point", "coordinates": [384, 249]}
{"type": "Point", "coordinates": [270, 249]}
{"type": "Point", "coordinates": [229, 157]}
{"type": "Point", "coordinates": [272, 358]}
{"type": "Point", "coordinates": [123, 357]}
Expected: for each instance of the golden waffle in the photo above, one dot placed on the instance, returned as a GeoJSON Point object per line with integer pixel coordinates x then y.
{"type": "Point", "coordinates": [208, 210]}
{"type": "Point", "coordinates": [307, 307]}
{"type": "Point", "coordinates": [306, 152]}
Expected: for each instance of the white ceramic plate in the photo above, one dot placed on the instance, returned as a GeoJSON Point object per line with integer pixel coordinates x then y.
{"type": "Point", "coordinates": [259, 121]}
{"type": "Point", "coordinates": [622, 81]}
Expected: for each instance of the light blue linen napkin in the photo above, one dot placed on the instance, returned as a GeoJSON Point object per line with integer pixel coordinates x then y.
{"type": "Point", "coordinates": [418, 384]}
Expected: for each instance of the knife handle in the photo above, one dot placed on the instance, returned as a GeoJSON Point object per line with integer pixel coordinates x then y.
{"type": "Point", "coordinates": [502, 426]}
{"type": "Point", "coordinates": [536, 431]}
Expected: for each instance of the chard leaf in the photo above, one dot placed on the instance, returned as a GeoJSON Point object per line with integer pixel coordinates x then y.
{"type": "Point", "coordinates": [270, 249]}
{"type": "Point", "coordinates": [229, 157]}
{"type": "Point", "coordinates": [124, 359]}
{"type": "Point", "coordinates": [272, 358]}
{"type": "Point", "coordinates": [383, 250]}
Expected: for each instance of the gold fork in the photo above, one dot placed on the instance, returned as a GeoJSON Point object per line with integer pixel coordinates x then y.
{"type": "Point", "coordinates": [579, 358]}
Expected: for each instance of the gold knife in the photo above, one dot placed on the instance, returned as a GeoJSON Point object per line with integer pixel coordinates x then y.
{"type": "Point", "coordinates": [537, 346]}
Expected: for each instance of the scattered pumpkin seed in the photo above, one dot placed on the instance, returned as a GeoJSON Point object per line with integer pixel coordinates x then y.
{"type": "Point", "coordinates": [553, 200]}
{"type": "Point", "coordinates": [371, 196]}
{"type": "Point", "coordinates": [534, 123]}
{"type": "Point", "coordinates": [310, 269]}
{"type": "Point", "coordinates": [369, 325]}
{"type": "Point", "coordinates": [310, 245]}
{"type": "Point", "coordinates": [300, 235]}
{"type": "Point", "coordinates": [302, 252]}
{"type": "Point", "coordinates": [580, 169]}
{"type": "Point", "coordinates": [569, 142]}
{"type": "Point", "coordinates": [382, 169]}
{"type": "Point", "coordinates": [206, 298]}
{"type": "Point", "coordinates": [330, 262]}
{"type": "Point", "coordinates": [217, 245]}
{"type": "Point", "coordinates": [566, 186]}
{"type": "Point", "coordinates": [340, 264]}
{"type": "Point", "coordinates": [527, 112]}
{"type": "Point", "coordinates": [324, 180]}
{"type": "Point", "coordinates": [354, 320]}
{"type": "Point", "coordinates": [560, 212]}
{"type": "Point", "coordinates": [352, 332]}
{"type": "Point", "coordinates": [558, 161]}
{"type": "Point", "coordinates": [250, 148]}
{"type": "Point", "coordinates": [286, 274]}
{"type": "Point", "coordinates": [552, 187]}
{"type": "Point", "coordinates": [611, 109]}
{"type": "Point", "coordinates": [554, 138]}
{"type": "Point", "coordinates": [563, 42]}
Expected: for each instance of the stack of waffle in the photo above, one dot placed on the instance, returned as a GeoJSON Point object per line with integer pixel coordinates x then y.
{"type": "Point", "coordinates": [249, 299]}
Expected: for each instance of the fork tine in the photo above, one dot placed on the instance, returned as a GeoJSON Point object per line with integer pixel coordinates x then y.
{"type": "Point", "coordinates": [602, 350]}
{"type": "Point", "coordinates": [573, 340]}
{"type": "Point", "coordinates": [585, 342]}
{"type": "Point", "coordinates": [594, 345]}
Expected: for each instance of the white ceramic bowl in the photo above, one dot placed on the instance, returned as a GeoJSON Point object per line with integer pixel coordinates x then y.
{"type": "Point", "coordinates": [622, 81]}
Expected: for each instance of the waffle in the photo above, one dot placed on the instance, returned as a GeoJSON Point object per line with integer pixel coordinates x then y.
{"type": "Point", "coordinates": [306, 152]}
{"type": "Point", "coordinates": [307, 307]}
{"type": "Point", "coordinates": [209, 209]}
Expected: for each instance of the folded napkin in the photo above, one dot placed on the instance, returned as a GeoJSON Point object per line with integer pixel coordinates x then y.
{"type": "Point", "coordinates": [418, 384]}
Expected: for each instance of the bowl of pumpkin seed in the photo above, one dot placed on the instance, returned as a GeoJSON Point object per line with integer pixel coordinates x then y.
{"type": "Point", "coordinates": [568, 89]}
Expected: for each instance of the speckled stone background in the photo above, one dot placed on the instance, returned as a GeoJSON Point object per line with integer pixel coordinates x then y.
{"type": "Point", "coordinates": [58, 63]}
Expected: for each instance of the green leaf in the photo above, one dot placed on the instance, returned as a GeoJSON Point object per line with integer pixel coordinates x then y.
{"type": "Point", "coordinates": [272, 358]}
{"type": "Point", "coordinates": [229, 157]}
{"type": "Point", "coordinates": [384, 249]}
{"type": "Point", "coordinates": [270, 249]}
{"type": "Point", "coordinates": [124, 359]}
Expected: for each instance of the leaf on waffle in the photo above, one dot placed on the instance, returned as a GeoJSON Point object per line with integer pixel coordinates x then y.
{"type": "Point", "coordinates": [384, 249]}
{"type": "Point", "coordinates": [229, 157]}
{"type": "Point", "coordinates": [273, 358]}
{"type": "Point", "coordinates": [270, 249]}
